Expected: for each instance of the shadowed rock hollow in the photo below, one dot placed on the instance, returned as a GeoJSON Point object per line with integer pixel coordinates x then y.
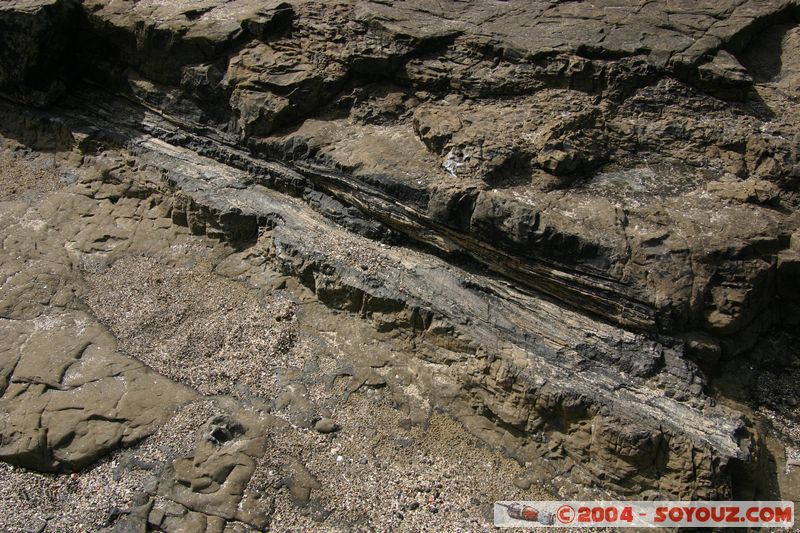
{"type": "Point", "coordinates": [572, 227]}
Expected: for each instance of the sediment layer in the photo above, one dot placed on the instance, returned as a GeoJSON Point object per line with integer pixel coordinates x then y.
{"type": "Point", "coordinates": [572, 215]}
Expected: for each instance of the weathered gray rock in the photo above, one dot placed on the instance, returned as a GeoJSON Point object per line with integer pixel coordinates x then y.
{"type": "Point", "coordinates": [526, 360]}
{"type": "Point", "coordinates": [214, 481]}
{"type": "Point", "coordinates": [163, 37]}
{"type": "Point", "coordinates": [628, 174]}
{"type": "Point", "coordinates": [525, 112]}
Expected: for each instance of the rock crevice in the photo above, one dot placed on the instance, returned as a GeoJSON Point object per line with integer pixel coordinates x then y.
{"type": "Point", "coordinates": [573, 215]}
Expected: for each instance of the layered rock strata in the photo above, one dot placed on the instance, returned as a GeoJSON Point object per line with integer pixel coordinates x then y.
{"type": "Point", "coordinates": [572, 212]}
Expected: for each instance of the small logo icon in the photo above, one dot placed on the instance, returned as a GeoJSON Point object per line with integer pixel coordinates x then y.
{"type": "Point", "coordinates": [517, 511]}
{"type": "Point", "coordinates": [565, 514]}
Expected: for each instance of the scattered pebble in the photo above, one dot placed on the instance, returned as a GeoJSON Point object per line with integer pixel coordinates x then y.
{"type": "Point", "coordinates": [325, 425]}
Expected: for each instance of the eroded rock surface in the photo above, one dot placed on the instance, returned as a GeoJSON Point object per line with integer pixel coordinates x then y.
{"type": "Point", "coordinates": [68, 396]}
{"type": "Point", "coordinates": [575, 148]}
{"type": "Point", "coordinates": [574, 217]}
{"type": "Point", "coordinates": [243, 460]}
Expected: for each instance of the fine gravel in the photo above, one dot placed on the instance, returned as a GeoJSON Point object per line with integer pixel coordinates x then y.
{"type": "Point", "coordinates": [93, 498]}
{"type": "Point", "coordinates": [193, 326]}
{"type": "Point", "coordinates": [377, 471]}
{"type": "Point", "coordinates": [275, 348]}
{"type": "Point", "coordinates": [29, 175]}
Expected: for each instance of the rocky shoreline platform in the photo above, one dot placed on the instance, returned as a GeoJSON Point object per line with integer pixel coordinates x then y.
{"type": "Point", "coordinates": [365, 265]}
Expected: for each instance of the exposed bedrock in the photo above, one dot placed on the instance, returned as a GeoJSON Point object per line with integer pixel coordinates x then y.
{"type": "Point", "coordinates": [574, 211]}
{"type": "Point", "coordinates": [616, 409]}
{"type": "Point", "coordinates": [36, 45]}
{"type": "Point", "coordinates": [576, 149]}
{"type": "Point", "coordinates": [67, 395]}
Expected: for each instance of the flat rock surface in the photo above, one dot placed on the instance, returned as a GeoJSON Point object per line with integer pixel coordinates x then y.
{"type": "Point", "coordinates": [68, 395]}
{"type": "Point", "coordinates": [280, 360]}
{"type": "Point", "coordinates": [254, 251]}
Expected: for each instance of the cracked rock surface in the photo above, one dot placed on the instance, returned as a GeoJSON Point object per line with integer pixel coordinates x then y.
{"type": "Point", "coordinates": [570, 227]}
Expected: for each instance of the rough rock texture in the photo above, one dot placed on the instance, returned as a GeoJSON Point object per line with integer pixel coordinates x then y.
{"type": "Point", "coordinates": [35, 40]}
{"type": "Point", "coordinates": [575, 148]}
{"type": "Point", "coordinates": [578, 215]}
{"type": "Point", "coordinates": [173, 302]}
{"type": "Point", "coordinates": [68, 396]}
